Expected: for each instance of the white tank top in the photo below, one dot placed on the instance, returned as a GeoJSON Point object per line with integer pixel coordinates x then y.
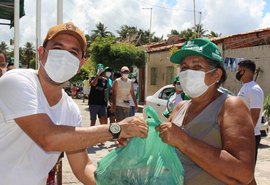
{"type": "Point", "coordinates": [123, 92]}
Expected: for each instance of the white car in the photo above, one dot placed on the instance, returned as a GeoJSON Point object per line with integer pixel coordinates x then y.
{"type": "Point", "coordinates": [159, 102]}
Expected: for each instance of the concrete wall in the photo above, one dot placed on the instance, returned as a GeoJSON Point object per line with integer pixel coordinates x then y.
{"type": "Point", "coordinates": [261, 56]}
{"type": "Point", "coordinates": [161, 61]}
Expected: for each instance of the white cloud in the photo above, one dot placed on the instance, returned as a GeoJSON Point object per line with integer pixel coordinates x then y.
{"type": "Point", "coordinates": [266, 21]}
{"type": "Point", "coordinates": [222, 16]}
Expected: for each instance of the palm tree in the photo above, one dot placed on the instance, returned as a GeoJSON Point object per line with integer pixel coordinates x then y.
{"type": "Point", "coordinates": [28, 53]}
{"type": "Point", "coordinates": [187, 34]}
{"type": "Point", "coordinates": [213, 34]}
{"type": "Point", "coordinates": [127, 32]}
{"type": "Point", "coordinates": [3, 47]}
{"type": "Point", "coordinates": [173, 32]}
{"type": "Point", "coordinates": [199, 30]}
{"type": "Point", "coordinates": [100, 31]}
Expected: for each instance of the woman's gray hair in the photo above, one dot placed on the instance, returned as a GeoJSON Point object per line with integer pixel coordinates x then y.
{"type": "Point", "coordinates": [215, 64]}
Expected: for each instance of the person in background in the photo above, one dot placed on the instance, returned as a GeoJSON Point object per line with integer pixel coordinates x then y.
{"type": "Point", "coordinates": [3, 63]}
{"type": "Point", "coordinates": [212, 132]}
{"type": "Point", "coordinates": [97, 100]}
{"type": "Point", "coordinates": [74, 90]}
{"type": "Point", "coordinates": [175, 97]}
{"type": "Point", "coordinates": [108, 76]}
{"type": "Point", "coordinates": [133, 79]}
{"type": "Point", "coordinates": [40, 120]}
{"type": "Point", "coordinates": [122, 90]}
{"type": "Point", "coordinates": [86, 88]}
{"type": "Point", "coordinates": [10, 67]}
{"type": "Point", "coordinates": [111, 114]}
{"type": "Point", "coordinates": [253, 96]}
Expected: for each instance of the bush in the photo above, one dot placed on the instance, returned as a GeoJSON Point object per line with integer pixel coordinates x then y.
{"type": "Point", "coordinates": [266, 106]}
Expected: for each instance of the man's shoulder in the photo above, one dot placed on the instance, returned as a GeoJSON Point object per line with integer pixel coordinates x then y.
{"type": "Point", "coordinates": [254, 87]}
{"type": "Point", "coordinates": [20, 76]}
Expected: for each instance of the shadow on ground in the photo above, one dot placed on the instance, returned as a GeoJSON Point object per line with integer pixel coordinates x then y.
{"type": "Point", "coordinates": [94, 149]}
{"type": "Point", "coordinates": [263, 146]}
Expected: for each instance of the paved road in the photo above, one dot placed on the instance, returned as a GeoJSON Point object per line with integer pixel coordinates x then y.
{"type": "Point", "coordinates": [262, 171]}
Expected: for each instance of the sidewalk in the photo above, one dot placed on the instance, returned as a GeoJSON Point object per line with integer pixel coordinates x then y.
{"type": "Point", "coordinates": [262, 171]}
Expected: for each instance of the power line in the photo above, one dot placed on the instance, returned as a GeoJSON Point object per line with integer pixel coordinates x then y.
{"type": "Point", "coordinates": [163, 7]}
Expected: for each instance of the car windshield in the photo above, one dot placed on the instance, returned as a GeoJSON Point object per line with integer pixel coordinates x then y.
{"type": "Point", "coordinates": [166, 93]}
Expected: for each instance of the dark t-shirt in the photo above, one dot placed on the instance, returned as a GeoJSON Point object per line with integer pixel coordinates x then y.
{"type": "Point", "coordinates": [98, 93]}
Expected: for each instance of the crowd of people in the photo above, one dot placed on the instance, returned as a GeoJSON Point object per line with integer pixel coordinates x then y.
{"type": "Point", "coordinates": [213, 132]}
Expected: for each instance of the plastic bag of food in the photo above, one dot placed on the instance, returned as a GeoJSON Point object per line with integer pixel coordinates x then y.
{"type": "Point", "coordinates": [146, 161]}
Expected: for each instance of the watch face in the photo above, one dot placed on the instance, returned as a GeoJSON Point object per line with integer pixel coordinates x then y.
{"type": "Point", "coordinates": [115, 128]}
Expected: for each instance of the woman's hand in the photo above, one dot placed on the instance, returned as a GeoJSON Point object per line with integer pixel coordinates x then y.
{"type": "Point", "coordinates": [168, 133]}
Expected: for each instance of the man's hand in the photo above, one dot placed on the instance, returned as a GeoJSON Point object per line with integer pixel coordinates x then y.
{"type": "Point", "coordinates": [99, 72]}
{"type": "Point", "coordinates": [133, 127]}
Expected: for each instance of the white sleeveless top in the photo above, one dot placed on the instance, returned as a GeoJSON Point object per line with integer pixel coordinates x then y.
{"type": "Point", "coordinates": [123, 92]}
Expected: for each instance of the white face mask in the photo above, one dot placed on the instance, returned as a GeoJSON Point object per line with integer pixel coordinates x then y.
{"type": "Point", "coordinates": [193, 83]}
{"type": "Point", "coordinates": [125, 76]}
{"type": "Point", "coordinates": [108, 74]}
{"type": "Point", "coordinates": [61, 65]}
{"type": "Point", "coordinates": [133, 80]}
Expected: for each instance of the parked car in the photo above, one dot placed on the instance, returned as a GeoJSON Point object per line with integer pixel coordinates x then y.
{"type": "Point", "coordinates": [159, 102]}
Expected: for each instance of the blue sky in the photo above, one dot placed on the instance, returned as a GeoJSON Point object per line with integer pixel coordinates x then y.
{"type": "Point", "coordinates": [222, 16]}
{"type": "Point", "coordinates": [267, 7]}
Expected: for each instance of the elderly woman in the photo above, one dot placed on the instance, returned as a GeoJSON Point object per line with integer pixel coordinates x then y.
{"type": "Point", "coordinates": [212, 131]}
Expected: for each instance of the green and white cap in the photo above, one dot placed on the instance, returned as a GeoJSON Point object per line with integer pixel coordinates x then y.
{"type": "Point", "coordinates": [100, 66]}
{"type": "Point", "coordinates": [200, 47]}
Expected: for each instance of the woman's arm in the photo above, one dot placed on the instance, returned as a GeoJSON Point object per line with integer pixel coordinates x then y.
{"type": "Point", "coordinates": [234, 162]}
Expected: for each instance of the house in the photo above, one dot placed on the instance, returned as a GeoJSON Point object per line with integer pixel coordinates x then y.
{"type": "Point", "coordinates": [254, 45]}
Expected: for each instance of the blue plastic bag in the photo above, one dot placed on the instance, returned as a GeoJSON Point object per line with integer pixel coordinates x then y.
{"type": "Point", "coordinates": [146, 161]}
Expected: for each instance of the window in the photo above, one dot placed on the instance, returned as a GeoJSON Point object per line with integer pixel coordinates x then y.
{"type": "Point", "coordinates": [170, 75]}
{"type": "Point", "coordinates": [165, 94]}
{"type": "Point", "coordinates": [153, 76]}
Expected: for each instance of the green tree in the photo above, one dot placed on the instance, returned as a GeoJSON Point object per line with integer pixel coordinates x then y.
{"type": "Point", "coordinates": [157, 39]}
{"type": "Point", "coordinates": [28, 53]}
{"type": "Point", "coordinates": [88, 40]}
{"type": "Point", "coordinates": [187, 34]}
{"type": "Point", "coordinates": [213, 34]}
{"type": "Point", "coordinates": [4, 46]}
{"type": "Point", "coordinates": [199, 30]}
{"type": "Point", "coordinates": [100, 31]}
{"type": "Point", "coordinates": [127, 33]}
{"type": "Point", "coordinates": [195, 32]}
{"type": "Point", "coordinates": [173, 32]}
{"type": "Point", "coordinates": [111, 53]}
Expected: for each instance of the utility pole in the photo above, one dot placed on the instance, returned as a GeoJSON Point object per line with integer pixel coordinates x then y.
{"type": "Point", "coordinates": [38, 29]}
{"type": "Point", "coordinates": [194, 13]}
{"type": "Point", "coordinates": [199, 25]}
{"type": "Point", "coordinates": [150, 22]}
{"type": "Point", "coordinates": [59, 11]}
{"type": "Point", "coordinates": [16, 32]}
{"type": "Point", "coordinates": [146, 65]}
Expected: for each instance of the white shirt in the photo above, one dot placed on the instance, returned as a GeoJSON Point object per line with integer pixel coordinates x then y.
{"type": "Point", "coordinates": [123, 92]}
{"type": "Point", "coordinates": [22, 161]}
{"type": "Point", "coordinates": [253, 96]}
{"type": "Point", "coordinates": [173, 101]}
{"type": "Point", "coordinates": [135, 87]}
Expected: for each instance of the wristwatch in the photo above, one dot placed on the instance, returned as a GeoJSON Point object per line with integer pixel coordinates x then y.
{"type": "Point", "coordinates": [115, 130]}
